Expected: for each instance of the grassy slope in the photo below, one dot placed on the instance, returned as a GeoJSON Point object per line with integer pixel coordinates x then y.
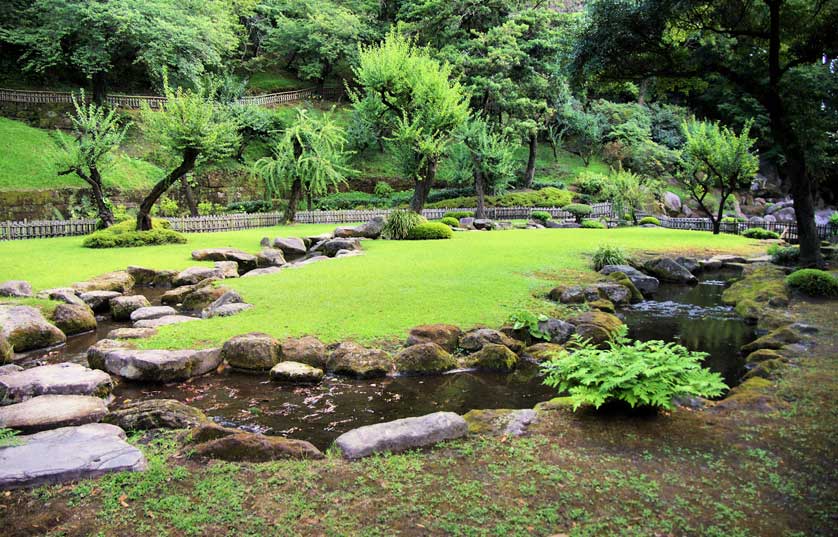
{"type": "Point", "coordinates": [473, 278]}
{"type": "Point", "coordinates": [27, 162]}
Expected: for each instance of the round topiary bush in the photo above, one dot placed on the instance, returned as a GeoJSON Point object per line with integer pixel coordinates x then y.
{"type": "Point", "coordinates": [456, 215]}
{"type": "Point", "coordinates": [649, 220]}
{"type": "Point", "coordinates": [125, 235]}
{"type": "Point", "coordinates": [578, 210]}
{"type": "Point", "coordinates": [430, 231]}
{"type": "Point", "coordinates": [813, 282]}
{"type": "Point", "coordinates": [400, 222]}
{"type": "Point", "coordinates": [760, 233]}
{"type": "Point", "coordinates": [541, 216]}
{"type": "Point", "coordinates": [450, 222]}
{"type": "Point", "coordinates": [592, 224]}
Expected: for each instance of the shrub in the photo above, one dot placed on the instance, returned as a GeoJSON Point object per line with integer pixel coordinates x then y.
{"type": "Point", "coordinates": [591, 183]}
{"type": "Point", "coordinates": [400, 222]}
{"type": "Point", "coordinates": [640, 373]}
{"type": "Point", "coordinates": [339, 201]}
{"type": "Point", "coordinates": [607, 254]}
{"type": "Point", "coordinates": [125, 235]}
{"type": "Point", "coordinates": [649, 220]}
{"type": "Point", "coordinates": [167, 207]}
{"type": "Point", "coordinates": [254, 206]}
{"type": "Point", "coordinates": [382, 189]}
{"type": "Point", "coordinates": [760, 233]}
{"type": "Point", "coordinates": [541, 216]}
{"type": "Point", "coordinates": [429, 231]}
{"type": "Point", "coordinates": [784, 255]}
{"type": "Point", "coordinates": [813, 282]}
{"type": "Point", "coordinates": [451, 222]}
{"type": "Point", "coordinates": [833, 219]}
{"type": "Point", "coordinates": [456, 215]}
{"type": "Point", "coordinates": [592, 224]}
{"type": "Point", "coordinates": [206, 208]}
{"type": "Point", "coordinates": [542, 182]}
{"type": "Point", "coordinates": [579, 210]}
{"type": "Point", "coordinates": [546, 197]}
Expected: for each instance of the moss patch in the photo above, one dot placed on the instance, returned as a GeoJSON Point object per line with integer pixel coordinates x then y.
{"type": "Point", "coordinates": [761, 286]}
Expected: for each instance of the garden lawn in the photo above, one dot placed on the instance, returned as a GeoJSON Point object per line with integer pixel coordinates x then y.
{"type": "Point", "coordinates": [474, 278]}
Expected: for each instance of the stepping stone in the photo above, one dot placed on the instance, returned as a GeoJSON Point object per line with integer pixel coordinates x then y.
{"type": "Point", "coordinates": [131, 333]}
{"type": "Point", "coordinates": [261, 272]}
{"type": "Point", "coordinates": [296, 372]}
{"type": "Point", "coordinates": [156, 414]}
{"type": "Point", "coordinates": [226, 310]}
{"type": "Point", "coordinates": [154, 365]}
{"type": "Point", "coordinates": [52, 411]}
{"type": "Point", "coordinates": [68, 454]}
{"type": "Point", "coordinates": [26, 329]}
{"type": "Point", "coordinates": [164, 321]}
{"type": "Point", "coordinates": [55, 379]}
{"type": "Point", "coordinates": [123, 306]}
{"type": "Point", "coordinates": [401, 435]}
{"type": "Point", "coordinates": [152, 312]}
{"type": "Point", "coordinates": [62, 294]}
{"type": "Point", "coordinates": [99, 301]}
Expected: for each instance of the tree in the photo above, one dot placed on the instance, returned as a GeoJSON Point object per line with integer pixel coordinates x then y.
{"type": "Point", "coordinates": [629, 193]}
{"type": "Point", "coordinates": [309, 158]}
{"type": "Point", "coordinates": [488, 158]}
{"type": "Point", "coordinates": [716, 159]}
{"type": "Point", "coordinates": [586, 128]}
{"type": "Point", "coordinates": [191, 126]}
{"type": "Point", "coordinates": [95, 134]}
{"type": "Point", "coordinates": [775, 54]}
{"type": "Point", "coordinates": [421, 106]}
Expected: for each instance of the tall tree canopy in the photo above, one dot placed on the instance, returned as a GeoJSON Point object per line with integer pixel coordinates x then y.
{"type": "Point", "coordinates": [776, 54]}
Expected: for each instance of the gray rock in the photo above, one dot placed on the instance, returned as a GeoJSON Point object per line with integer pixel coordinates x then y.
{"type": "Point", "coordinates": [333, 246]}
{"type": "Point", "coordinates": [307, 350]}
{"type": "Point", "coordinates": [672, 203]}
{"type": "Point", "coordinates": [156, 414]}
{"type": "Point", "coordinates": [25, 329]}
{"type": "Point", "coordinates": [154, 365]}
{"type": "Point", "coordinates": [474, 340]}
{"type": "Point", "coordinates": [202, 296]}
{"type": "Point", "coordinates": [164, 321]}
{"type": "Point", "coordinates": [68, 454]}
{"type": "Point", "coordinates": [227, 310]}
{"type": "Point", "coordinates": [152, 312]}
{"type": "Point", "coordinates": [616, 293]}
{"type": "Point", "coordinates": [249, 447]}
{"type": "Point", "coordinates": [446, 336]}
{"type": "Point", "coordinates": [270, 257]}
{"type": "Point", "coordinates": [244, 260]}
{"type": "Point", "coordinates": [467, 223]}
{"type": "Point", "coordinates": [99, 301]}
{"type": "Point", "coordinates": [131, 333]}
{"type": "Point", "coordinates": [769, 219]}
{"type": "Point", "coordinates": [558, 330]}
{"type": "Point", "coordinates": [483, 223]}
{"type": "Point", "coordinates": [62, 294]}
{"type": "Point", "coordinates": [119, 281]}
{"type": "Point", "coordinates": [401, 435]}
{"type": "Point", "coordinates": [8, 369]}
{"type": "Point", "coordinates": [296, 372]}
{"type": "Point", "coordinates": [54, 379]}
{"type": "Point", "coordinates": [261, 272]}
{"type": "Point", "coordinates": [51, 412]}
{"type": "Point", "coordinates": [228, 269]}
{"type": "Point", "coordinates": [369, 230]}
{"type": "Point", "coordinates": [292, 247]}
{"type": "Point", "coordinates": [308, 261]}
{"type": "Point", "coordinates": [16, 288]}
{"type": "Point", "coordinates": [688, 263]}
{"type": "Point", "coordinates": [645, 284]}
{"type": "Point", "coordinates": [123, 306]}
{"type": "Point", "coordinates": [143, 276]}
{"type": "Point", "coordinates": [668, 270]}
{"type": "Point", "coordinates": [221, 306]}
{"type": "Point", "coordinates": [354, 360]}
{"type": "Point", "coordinates": [786, 215]}
{"type": "Point", "coordinates": [194, 275]}
{"type": "Point", "coordinates": [74, 319]}
{"type": "Point", "coordinates": [756, 221]}
{"type": "Point", "coordinates": [252, 352]}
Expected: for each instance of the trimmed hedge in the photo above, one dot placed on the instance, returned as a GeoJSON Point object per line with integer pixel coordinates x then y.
{"type": "Point", "coordinates": [784, 255]}
{"type": "Point", "coordinates": [541, 216]}
{"type": "Point", "coordinates": [579, 210]}
{"type": "Point", "coordinates": [813, 282]}
{"type": "Point", "coordinates": [125, 235]}
{"type": "Point", "coordinates": [450, 222]}
{"type": "Point", "coordinates": [546, 197]}
{"type": "Point", "coordinates": [430, 231]}
{"type": "Point", "coordinates": [760, 233]}
{"type": "Point", "coordinates": [592, 224]}
{"type": "Point", "coordinates": [649, 220]}
{"type": "Point", "coordinates": [456, 215]}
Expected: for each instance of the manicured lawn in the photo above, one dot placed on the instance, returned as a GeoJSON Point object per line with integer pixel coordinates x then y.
{"type": "Point", "coordinates": [472, 279]}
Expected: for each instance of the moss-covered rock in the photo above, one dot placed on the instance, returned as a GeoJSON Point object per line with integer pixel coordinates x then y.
{"type": "Point", "coordinates": [761, 355]}
{"type": "Point", "coordinates": [305, 350]}
{"type": "Point", "coordinates": [776, 339]}
{"type": "Point", "coordinates": [73, 319]}
{"type": "Point", "coordinates": [156, 414]}
{"type": "Point", "coordinates": [25, 328]}
{"type": "Point", "coordinates": [499, 421]}
{"type": "Point", "coordinates": [119, 281]}
{"type": "Point", "coordinates": [446, 336]}
{"type": "Point", "coordinates": [767, 369]}
{"type": "Point", "coordinates": [753, 394]}
{"type": "Point", "coordinates": [625, 281]}
{"type": "Point", "coordinates": [474, 340]}
{"type": "Point", "coordinates": [603, 305]}
{"type": "Point", "coordinates": [250, 447]}
{"type": "Point", "coordinates": [761, 286]}
{"type": "Point", "coordinates": [541, 352]}
{"type": "Point", "coordinates": [251, 352]}
{"type": "Point", "coordinates": [202, 297]}
{"type": "Point", "coordinates": [493, 357]}
{"type": "Point", "coordinates": [556, 403]}
{"type": "Point", "coordinates": [424, 358]}
{"type": "Point", "coordinates": [597, 326]}
{"type": "Point", "coordinates": [351, 359]}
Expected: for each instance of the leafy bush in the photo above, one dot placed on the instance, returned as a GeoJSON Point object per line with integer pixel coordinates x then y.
{"type": "Point", "coordinates": [456, 215]}
{"type": "Point", "coordinates": [529, 321]}
{"type": "Point", "coordinates": [760, 233]}
{"type": "Point", "coordinates": [339, 201]}
{"type": "Point", "coordinates": [579, 210]}
{"type": "Point", "coordinates": [784, 255]}
{"type": "Point", "coordinates": [206, 208]}
{"type": "Point", "coordinates": [542, 182]}
{"type": "Point", "coordinates": [546, 197]}
{"type": "Point", "coordinates": [591, 183]}
{"type": "Point", "coordinates": [451, 222]}
{"type": "Point", "coordinates": [640, 373]}
{"type": "Point", "coordinates": [833, 219]}
{"type": "Point", "coordinates": [166, 206]}
{"type": "Point", "coordinates": [400, 222]}
{"type": "Point", "coordinates": [607, 254]}
{"type": "Point", "coordinates": [254, 206]}
{"type": "Point", "coordinates": [592, 224]}
{"type": "Point", "coordinates": [440, 194]}
{"type": "Point", "coordinates": [382, 189]}
{"type": "Point", "coordinates": [813, 282]}
{"type": "Point", "coordinates": [649, 220]}
{"type": "Point", "coordinates": [541, 216]}
{"type": "Point", "coordinates": [125, 235]}
{"type": "Point", "coordinates": [429, 231]}
{"type": "Point", "coordinates": [732, 219]}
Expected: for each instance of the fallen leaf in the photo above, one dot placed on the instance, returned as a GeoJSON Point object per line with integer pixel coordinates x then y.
{"type": "Point", "coordinates": [122, 501]}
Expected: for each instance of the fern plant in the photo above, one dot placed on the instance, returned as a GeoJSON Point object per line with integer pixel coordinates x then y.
{"type": "Point", "coordinates": [640, 373]}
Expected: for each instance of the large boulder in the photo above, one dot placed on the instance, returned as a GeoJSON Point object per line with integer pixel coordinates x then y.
{"type": "Point", "coordinates": [99, 301]}
{"type": "Point", "coordinates": [667, 269]}
{"type": "Point", "coordinates": [51, 412]}
{"type": "Point", "coordinates": [634, 293]}
{"type": "Point", "coordinates": [354, 360]}
{"type": "Point", "coordinates": [53, 379]}
{"type": "Point", "coordinates": [151, 312]}
{"type": "Point", "coordinates": [156, 414]}
{"type": "Point", "coordinates": [202, 297]}
{"type": "Point", "coordinates": [25, 329]}
{"type": "Point", "coordinates": [154, 365]}
{"type": "Point", "coordinates": [296, 373]}
{"type": "Point", "coordinates": [119, 281]}
{"type": "Point", "coordinates": [68, 454]}
{"type": "Point", "coordinates": [195, 275]}
{"type": "Point", "coordinates": [446, 336]}
{"type": "Point", "coordinates": [305, 350]}
{"type": "Point", "coordinates": [74, 319]}
{"type": "Point", "coordinates": [143, 277]}
{"type": "Point", "coordinates": [672, 203]}
{"type": "Point", "coordinates": [614, 292]}
{"type": "Point", "coordinates": [645, 284]}
{"type": "Point", "coordinates": [250, 447]}
{"type": "Point", "coordinates": [424, 358]}
{"type": "Point", "coordinates": [270, 258]}
{"type": "Point", "coordinates": [16, 288]}
{"type": "Point", "coordinates": [474, 340]}
{"type": "Point", "coordinates": [165, 321]}
{"type": "Point", "coordinates": [369, 230]}
{"type": "Point", "coordinates": [557, 331]}
{"type": "Point", "coordinates": [292, 247]}
{"type": "Point", "coordinates": [774, 340]}
{"type": "Point", "coordinates": [227, 269]}
{"type": "Point", "coordinates": [244, 260]}
{"type": "Point", "coordinates": [251, 352]}
{"type": "Point", "coordinates": [261, 272]}
{"type": "Point", "coordinates": [493, 357]}
{"type": "Point", "coordinates": [401, 435]}
{"type": "Point", "coordinates": [596, 326]}
{"type": "Point", "coordinates": [332, 246]}
{"type": "Point", "coordinates": [123, 306]}
{"type": "Point", "coordinates": [500, 421]}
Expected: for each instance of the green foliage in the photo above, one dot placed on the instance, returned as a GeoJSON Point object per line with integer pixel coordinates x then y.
{"type": "Point", "coordinates": [760, 233]}
{"type": "Point", "coordinates": [255, 206]}
{"type": "Point", "coordinates": [546, 197]}
{"type": "Point", "coordinates": [784, 255]}
{"type": "Point", "coordinates": [813, 282]}
{"type": "Point", "coordinates": [541, 216]}
{"type": "Point", "coordinates": [383, 190]}
{"type": "Point", "coordinates": [8, 437]}
{"type": "Point", "coordinates": [458, 214]}
{"type": "Point", "coordinates": [608, 254]}
{"type": "Point", "coordinates": [578, 210]}
{"type": "Point", "coordinates": [400, 222]}
{"type": "Point", "coordinates": [586, 129]}
{"type": "Point", "coordinates": [649, 220]}
{"type": "Point", "coordinates": [640, 373]}
{"type": "Point", "coordinates": [450, 222]}
{"type": "Point", "coordinates": [833, 219]}
{"type": "Point", "coordinates": [529, 321]}
{"type": "Point", "coordinates": [430, 231]}
{"type": "Point", "coordinates": [590, 223]}
{"type": "Point", "coordinates": [207, 208]}
{"type": "Point", "coordinates": [591, 184]}
{"type": "Point", "coordinates": [629, 192]}
{"type": "Point", "coordinates": [167, 206]}
{"type": "Point", "coordinates": [124, 235]}
{"type": "Point", "coordinates": [483, 157]}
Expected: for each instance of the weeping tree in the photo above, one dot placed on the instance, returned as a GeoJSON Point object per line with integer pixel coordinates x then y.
{"type": "Point", "coordinates": [487, 156]}
{"type": "Point", "coordinates": [96, 132]}
{"type": "Point", "coordinates": [415, 101]}
{"type": "Point", "coordinates": [715, 158]}
{"type": "Point", "coordinates": [193, 127]}
{"type": "Point", "coordinates": [630, 192]}
{"type": "Point", "coordinates": [309, 158]}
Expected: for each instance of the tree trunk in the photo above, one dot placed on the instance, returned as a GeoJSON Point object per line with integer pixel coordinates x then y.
{"type": "Point", "coordinates": [105, 214]}
{"type": "Point", "coordinates": [480, 191]}
{"type": "Point", "coordinates": [529, 174]}
{"type": "Point", "coordinates": [100, 87]}
{"type": "Point", "coordinates": [293, 201]}
{"type": "Point", "coordinates": [422, 187]}
{"type": "Point", "coordinates": [308, 200]}
{"type": "Point", "coordinates": [189, 194]}
{"type": "Point", "coordinates": [190, 155]}
{"type": "Point", "coordinates": [717, 220]}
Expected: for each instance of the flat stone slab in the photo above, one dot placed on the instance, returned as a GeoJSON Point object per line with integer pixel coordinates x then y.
{"type": "Point", "coordinates": [131, 333]}
{"type": "Point", "coordinates": [68, 454]}
{"type": "Point", "coordinates": [296, 372]}
{"type": "Point", "coordinates": [261, 272]}
{"type": "Point", "coordinates": [400, 435]}
{"type": "Point", "coordinates": [155, 365]}
{"type": "Point", "coordinates": [152, 312]}
{"type": "Point", "coordinates": [52, 411]}
{"type": "Point", "coordinates": [54, 379]}
{"type": "Point", "coordinates": [164, 321]}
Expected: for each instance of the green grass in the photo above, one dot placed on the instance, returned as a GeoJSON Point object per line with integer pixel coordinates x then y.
{"type": "Point", "coordinates": [28, 162]}
{"type": "Point", "coordinates": [274, 81]}
{"type": "Point", "coordinates": [471, 279]}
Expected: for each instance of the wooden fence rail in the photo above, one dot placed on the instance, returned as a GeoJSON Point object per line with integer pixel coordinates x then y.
{"type": "Point", "coordinates": [43, 229]}
{"type": "Point", "coordinates": [787, 231]}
